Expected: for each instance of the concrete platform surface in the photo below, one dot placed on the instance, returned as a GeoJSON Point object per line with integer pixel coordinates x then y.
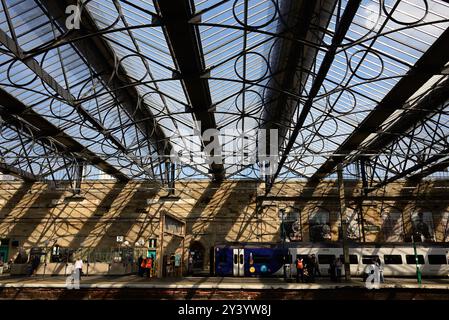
{"type": "Point", "coordinates": [132, 281]}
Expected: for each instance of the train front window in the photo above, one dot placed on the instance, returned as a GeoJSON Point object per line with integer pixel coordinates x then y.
{"type": "Point", "coordinates": [393, 259]}
{"type": "Point", "coordinates": [410, 258]}
{"type": "Point", "coordinates": [437, 259]}
{"type": "Point", "coordinates": [368, 259]}
{"type": "Point", "coordinates": [326, 258]}
{"type": "Point", "coordinates": [353, 259]}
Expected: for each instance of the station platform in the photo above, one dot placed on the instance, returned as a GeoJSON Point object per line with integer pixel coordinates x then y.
{"type": "Point", "coordinates": [134, 287]}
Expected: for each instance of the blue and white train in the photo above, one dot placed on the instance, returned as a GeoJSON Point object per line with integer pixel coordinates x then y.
{"type": "Point", "coordinates": [398, 259]}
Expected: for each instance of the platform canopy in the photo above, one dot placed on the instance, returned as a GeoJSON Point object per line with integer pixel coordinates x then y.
{"type": "Point", "coordinates": [140, 89]}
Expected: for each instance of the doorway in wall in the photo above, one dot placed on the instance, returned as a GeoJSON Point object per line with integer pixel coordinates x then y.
{"type": "Point", "coordinates": [196, 257]}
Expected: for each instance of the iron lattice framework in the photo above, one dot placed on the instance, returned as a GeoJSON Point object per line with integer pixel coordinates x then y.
{"type": "Point", "coordinates": [123, 88]}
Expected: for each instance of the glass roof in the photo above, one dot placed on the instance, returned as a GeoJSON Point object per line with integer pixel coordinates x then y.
{"type": "Point", "coordinates": [125, 95]}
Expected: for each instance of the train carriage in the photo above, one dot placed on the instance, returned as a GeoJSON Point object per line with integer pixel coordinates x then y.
{"type": "Point", "coordinates": [398, 259]}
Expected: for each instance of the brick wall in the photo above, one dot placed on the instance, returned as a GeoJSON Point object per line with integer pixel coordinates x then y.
{"type": "Point", "coordinates": [36, 214]}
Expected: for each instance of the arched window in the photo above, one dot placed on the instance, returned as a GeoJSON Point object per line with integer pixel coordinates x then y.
{"type": "Point", "coordinates": [319, 225]}
{"type": "Point", "coordinates": [392, 225]}
{"type": "Point", "coordinates": [422, 226]}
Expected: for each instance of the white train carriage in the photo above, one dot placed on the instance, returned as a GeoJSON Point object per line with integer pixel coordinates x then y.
{"type": "Point", "coordinates": [398, 260]}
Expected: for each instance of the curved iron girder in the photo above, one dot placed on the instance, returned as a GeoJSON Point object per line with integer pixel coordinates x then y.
{"type": "Point", "coordinates": [102, 58]}
{"type": "Point", "coordinates": [65, 94]}
{"type": "Point", "coordinates": [430, 64]}
{"type": "Point", "coordinates": [43, 127]}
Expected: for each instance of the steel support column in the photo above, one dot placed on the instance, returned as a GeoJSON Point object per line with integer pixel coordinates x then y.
{"type": "Point", "coordinates": [343, 221]}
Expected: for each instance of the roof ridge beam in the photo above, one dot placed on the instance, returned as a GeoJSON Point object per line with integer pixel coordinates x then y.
{"type": "Point", "coordinates": [184, 42]}
{"type": "Point", "coordinates": [340, 32]}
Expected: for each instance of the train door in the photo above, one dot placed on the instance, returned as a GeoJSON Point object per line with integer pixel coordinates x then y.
{"type": "Point", "coordinates": [239, 262]}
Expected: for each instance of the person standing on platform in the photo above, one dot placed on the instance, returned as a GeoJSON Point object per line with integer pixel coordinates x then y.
{"type": "Point", "coordinates": [149, 266]}
{"type": "Point", "coordinates": [338, 266]}
{"type": "Point", "coordinates": [316, 266]}
{"type": "Point", "coordinates": [143, 265]}
{"type": "Point", "coordinates": [299, 269]}
{"type": "Point", "coordinates": [78, 268]}
{"type": "Point", "coordinates": [139, 266]}
{"type": "Point", "coordinates": [378, 265]}
{"type": "Point", "coordinates": [310, 266]}
{"type": "Point", "coordinates": [332, 270]}
{"type": "Point", "coordinates": [35, 261]}
{"type": "Point", "coordinates": [190, 264]}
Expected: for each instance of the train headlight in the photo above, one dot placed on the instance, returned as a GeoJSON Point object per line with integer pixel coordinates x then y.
{"type": "Point", "coordinates": [263, 268]}
{"type": "Point", "coordinates": [252, 269]}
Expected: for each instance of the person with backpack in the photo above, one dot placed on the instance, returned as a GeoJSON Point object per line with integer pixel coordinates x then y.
{"type": "Point", "coordinates": [299, 269]}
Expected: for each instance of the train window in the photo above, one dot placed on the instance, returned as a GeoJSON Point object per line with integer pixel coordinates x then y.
{"type": "Point", "coordinates": [437, 259]}
{"type": "Point", "coordinates": [326, 258]}
{"type": "Point", "coordinates": [235, 259]}
{"type": "Point", "coordinates": [392, 259]}
{"type": "Point", "coordinates": [261, 259]}
{"type": "Point", "coordinates": [368, 259]}
{"type": "Point", "coordinates": [352, 259]}
{"type": "Point", "coordinates": [410, 258]}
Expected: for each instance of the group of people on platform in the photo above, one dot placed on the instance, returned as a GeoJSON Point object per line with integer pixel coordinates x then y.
{"type": "Point", "coordinates": [307, 269]}
{"type": "Point", "coordinates": [146, 266]}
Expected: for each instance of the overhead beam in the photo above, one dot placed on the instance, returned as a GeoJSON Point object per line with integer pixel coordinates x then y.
{"type": "Point", "coordinates": [184, 41]}
{"type": "Point", "coordinates": [340, 32]}
{"type": "Point", "coordinates": [428, 162]}
{"type": "Point", "coordinates": [13, 108]}
{"type": "Point", "coordinates": [431, 63]}
{"type": "Point", "coordinates": [440, 166]}
{"type": "Point", "coordinates": [17, 172]}
{"type": "Point", "coordinates": [65, 94]}
{"type": "Point", "coordinates": [292, 60]}
{"type": "Point", "coordinates": [101, 57]}
{"type": "Point", "coordinates": [413, 114]}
